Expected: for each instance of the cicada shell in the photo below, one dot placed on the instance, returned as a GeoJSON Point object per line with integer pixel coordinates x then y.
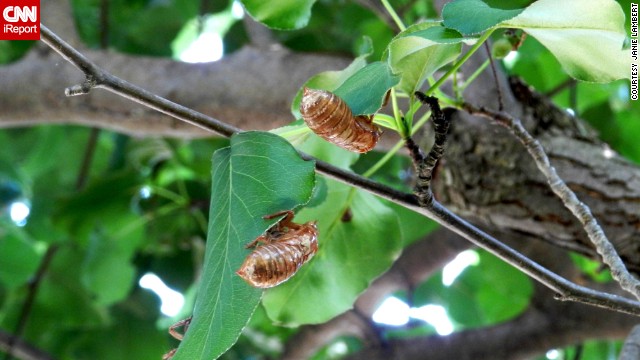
{"type": "Point", "coordinates": [329, 117]}
{"type": "Point", "coordinates": [280, 252]}
{"type": "Point", "coordinates": [173, 331]}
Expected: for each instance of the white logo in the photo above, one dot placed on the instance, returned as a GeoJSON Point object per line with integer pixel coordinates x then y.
{"type": "Point", "coordinates": [16, 13]}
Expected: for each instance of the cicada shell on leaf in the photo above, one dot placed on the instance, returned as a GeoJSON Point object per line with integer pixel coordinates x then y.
{"type": "Point", "coordinates": [330, 117]}
{"type": "Point", "coordinates": [280, 252]}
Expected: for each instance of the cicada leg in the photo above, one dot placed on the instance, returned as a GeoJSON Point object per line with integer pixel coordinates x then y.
{"type": "Point", "coordinates": [184, 324]}
{"type": "Point", "coordinates": [286, 222]}
{"type": "Point", "coordinates": [276, 231]}
{"type": "Point", "coordinates": [173, 331]}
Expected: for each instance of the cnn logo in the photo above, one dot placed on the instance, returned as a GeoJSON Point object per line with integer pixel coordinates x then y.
{"type": "Point", "coordinates": [17, 13]}
{"type": "Point", "coordinates": [20, 20]}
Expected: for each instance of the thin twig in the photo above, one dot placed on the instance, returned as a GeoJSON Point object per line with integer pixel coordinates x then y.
{"type": "Point", "coordinates": [579, 209]}
{"type": "Point", "coordinates": [566, 290]}
{"type": "Point", "coordinates": [21, 349]}
{"type": "Point", "coordinates": [569, 83]}
{"type": "Point", "coordinates": [104, 24]}
{"type": "Point", "coordinates": [27, 306]}
{"type": "Point", "coordinates": [494, 71]}
{"type": "Point", "coordinates": [99, 78]}
{"type": "Point", "coordinates": [579, 351]}
{"type": "Point", "coordinates": [83, 173]}
{"type": "Point", "coordinates": [425, 167]}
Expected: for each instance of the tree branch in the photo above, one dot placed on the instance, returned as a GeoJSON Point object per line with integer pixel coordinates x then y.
{"type": "Point", "coordinates": [565, 289]}
{"type": "Point", "coordinates": [21, 349]}
{"type": "Point", "coordinates": [425, 165]}
{"type": "Point", "coordinates": [27, 306]}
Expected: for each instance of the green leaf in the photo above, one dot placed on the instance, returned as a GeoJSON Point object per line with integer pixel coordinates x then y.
{"type": "Point", "coordinates": [104, 204]}
{"type": "Point", "coordinates": [328, 80]}
{"type": "Point", "coordinates": [13, 50]}
{"type": "Point", "coordinates": [107, 270]}
{"type": "Point", "coordinates": [328, 152]}
{"type": "Point", "coordinates": [365, 90]}
{"type": "Point", "coordinates": [416, 53]}
{"type": "Point", "coordinates": [259, 174]}
{"type": "Point", "coordinates": [143, 339]}
{"type": "Point", "coordinates": [485, 294]}
{"type": "Point", "coordinates": [474, 16]}
{"type": "Point", "coordinates": [60, 292]}
{"type": "Point", "coordinates": [537, 66]}
{"type": "Point", "coordinates": [591, 268]}
{"type": "Point", "coordinates": [351, 254]}
{"type": "Point", "coordinates": [18, 256]}
{"type": "Point", "coordinates": [361, 86]}
{"type": "Point", "coordinates": [385, 120]}
{"type": "Point", "coordinates": [296, 132]}
{"type": "Point", "coordinates": [586, 36]}
{"type": "Point", "coordinates": [280, 14]}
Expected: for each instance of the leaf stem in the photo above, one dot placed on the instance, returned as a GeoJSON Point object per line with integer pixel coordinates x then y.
{"type": "Point", "coordinates": [473, 76]}
{"type": "Point", "coordinates": [458, 64]}
{"type": "Point", "coordinates": [380, 163]}
{"type": "Point", "coordinates": [394, 15]}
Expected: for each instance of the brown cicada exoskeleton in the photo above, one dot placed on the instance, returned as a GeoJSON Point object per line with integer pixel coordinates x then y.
{"type": "Point", "coordinates": [279, 252]}
{"type": "Point", "coordinates": [331, 118]}
{"type": "Point", "coordinates": [173, 331]}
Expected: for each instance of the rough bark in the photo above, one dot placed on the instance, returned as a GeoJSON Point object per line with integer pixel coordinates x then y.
{"type": "Point", "coordinates": [488, 177]}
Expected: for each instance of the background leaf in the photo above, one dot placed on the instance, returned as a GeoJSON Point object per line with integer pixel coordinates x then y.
{"type": "Point", "coordinates": [478, 296]}
{"type": "Point", "coordinates": [248, 182]}
{"type": "Point", "coordinates": [18, 256]}
{"type": "Point", "coordinates": [474, 16]}
{"type": "Point", "coordinates": [586, 36]}
{"type": "Point", "coordinates": [364, 91]}
{"type": "Point", "coordinates": [416, 53]}
{"type": "Point", "coordinates": [280, 14]}
{"type": "Point", "coordinates": [328, 80]}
